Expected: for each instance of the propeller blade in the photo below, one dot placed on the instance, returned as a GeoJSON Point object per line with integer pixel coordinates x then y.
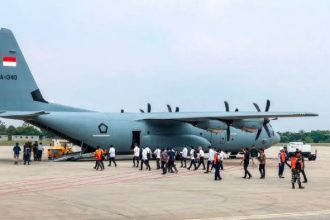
{"type": "Point", "coordinates": [227, 106]}
{"type": "Point", "coordinates": [267, 130]}
{"type": "Point", "coordinates": [258, 133]}
{"type": "Point", "coordinates": [149, 107]}
{"type": "Point", "coordinates": [141, 111]}
{"type": "Point", "coordinates": [177, 109]}
{"type": "Point", "coordinates": [267, 105]}
{"type": "Point", "coordinates": [228, 133]}
{"type": "Point", "coordinates": [169, 108]}
{"type": "Point", "coordinates": [257, 107]}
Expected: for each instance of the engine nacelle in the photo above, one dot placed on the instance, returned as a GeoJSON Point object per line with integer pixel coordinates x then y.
{"type": "Point", "coordinates": [249, 125]}
{"type": "Point", "coordinates": [212, 125]}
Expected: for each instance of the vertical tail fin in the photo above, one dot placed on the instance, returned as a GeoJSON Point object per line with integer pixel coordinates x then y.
{"type": "Point", "coordinates": [18, 89]}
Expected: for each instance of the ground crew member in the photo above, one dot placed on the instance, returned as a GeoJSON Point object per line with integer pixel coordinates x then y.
{"type": "Point", "coordinates": [99, 158]}
{"type": "Point", "coordinates": [164, 160]}
{"type": "Point", "coordinates": [171, 160]}
{"type": "Point", "coordinates": [201, 158]}
{"type": "Point", "coordinates": [286, 156]}
{"type": "Point", "coordinates": [210, 160]}
{"type": "Point", "coordinates": [216, 164]}
{"type": "Point", "coordinates": [193, 156]}
{"type": "Point", "coordinates": [184, 156]}
{"type": "Point", "coordinates": [136, 155]}
{"type": "Point", "coordinates": [35, 150]}
{"type": "Point", "coordinates": [17, 150]}
{"type": "Point", "coordinates": [262, 163]}
{"type": "Point", "coordinates": [157, 153]}
{"type": "Point", "coordinates": [303, 167]}
{"type": "Point", "coordinates": [27, 153]}
{"type": "Point", "coordinates": [295, 170]}
{"type": "Point", "coordinates": [40, 150]}
{"type": "Point", "coordinates": [112, 156]}
{"type": "Point", "coordinates": [281, 163]}
{"type": "Point", "coordinates": [246, 160]}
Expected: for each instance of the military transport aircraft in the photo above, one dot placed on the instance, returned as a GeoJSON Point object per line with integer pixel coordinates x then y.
{"type": "Point", "coordinates": [21, 99]}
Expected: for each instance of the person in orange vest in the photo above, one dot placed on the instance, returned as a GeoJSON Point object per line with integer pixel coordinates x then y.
{"type": "Point", "coordinates": [281, 163]}
{"type": "Point", "coordinates": [216, 165]}
{"type": "Point", "coordinates": [99, 158]}
{"type": "Point", "coordinates": [296, 165]}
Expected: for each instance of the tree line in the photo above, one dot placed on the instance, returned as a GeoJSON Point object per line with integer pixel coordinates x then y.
{"type": "Point", "coordinates": [317, 136]}
{"type": "Point", "coordinates": [24, 129]}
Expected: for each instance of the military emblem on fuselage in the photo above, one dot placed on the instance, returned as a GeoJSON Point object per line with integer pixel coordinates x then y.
{"type": "Point", "coordinates": [103, 128]}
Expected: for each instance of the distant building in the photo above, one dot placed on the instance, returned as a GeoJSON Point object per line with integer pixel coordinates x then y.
{"type": "Point", "coordinates": [3, 137]}
{"type": "Point", "coordinates": [25, 138]}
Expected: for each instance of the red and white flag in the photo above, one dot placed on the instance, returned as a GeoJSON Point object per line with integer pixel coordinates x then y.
{"type": "Point", "coordinates": [9, 61]}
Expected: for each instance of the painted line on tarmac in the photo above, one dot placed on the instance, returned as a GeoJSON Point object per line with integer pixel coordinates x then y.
{"type": "Point", "coordinates": [271, 216]}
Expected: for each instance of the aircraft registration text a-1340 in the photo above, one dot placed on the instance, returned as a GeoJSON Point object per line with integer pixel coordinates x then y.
{"type": "Point", "coordinates": [21, 99]}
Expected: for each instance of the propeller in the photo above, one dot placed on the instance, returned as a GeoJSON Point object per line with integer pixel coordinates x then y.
{"type": "Point", "coordinates": [169, 108]}
{"type": "Point", "coordinates": [228, 122]}
{"type": "Point", "coordinates": [148, 109]}
{"type": "Point", "coordinates": [265, 122]}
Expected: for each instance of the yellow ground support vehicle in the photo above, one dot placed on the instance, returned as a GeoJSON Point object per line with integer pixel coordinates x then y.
{"type": "Point", "coordinates": [60, 148]}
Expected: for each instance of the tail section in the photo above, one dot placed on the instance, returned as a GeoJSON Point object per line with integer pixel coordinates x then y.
{"type": "Point", "coordinates": [18, 89]}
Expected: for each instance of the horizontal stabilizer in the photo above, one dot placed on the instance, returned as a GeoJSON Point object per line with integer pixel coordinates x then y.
{"type": "Point", "coordinates": [24, 115]}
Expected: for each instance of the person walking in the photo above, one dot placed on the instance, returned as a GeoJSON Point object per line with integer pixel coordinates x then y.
{"type": "Point", "coordinates": [210, 160]}
{"type": "Point", "coordinates": [295, 170]}
{"type": "Point", "coordinates": [136, 153]}
{"type": "Point", "coordinates": [27, 153]}
{"type": "Point", "coordinates": [302, 159]}
{"type": "Point", "coordinates": [99, 153]}
{"type": "Point", "coordinates": [262, 163]}
{"type": "Point", "coordinates": [193, 156]}
{"type": "Point", "coordinates": [145, 158]}
{"type": "Point", "coordinates": [222, 156]}
{"type": "Point", "coordinates": [171, 161]}
{"type": "Point", "coordinates": [164, 160]}
{"type": "Point", "coordinates": [40, 151]}
{"type": "Point", "coordinates": [184, 156]}
{"type": "Point", "coordinates": [112, 156]}
{"type": "Point", "coordinates": [216, 164]}
{"type": "Point", "coordinates": [281, 163]}
{"type": "Point", "coordinates": [157, 153]}
{"type": "Point", "coordinates": [17, 150]}
{"type": "Point", "coordinates": [246, 161]}
{"type": "Point", "coordinates": [201, 158]}
{"type": "Point", "coordinates": [35, 150]}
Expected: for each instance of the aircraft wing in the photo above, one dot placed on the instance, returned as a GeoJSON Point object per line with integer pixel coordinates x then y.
{"type": "Point", "coordinates": [21, 114]}
{"type": "Point", "coordinates": [197, 117]}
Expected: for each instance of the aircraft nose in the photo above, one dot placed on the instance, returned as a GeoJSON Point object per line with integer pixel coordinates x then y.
{"type": "Point", "coordinates": [277, 138]}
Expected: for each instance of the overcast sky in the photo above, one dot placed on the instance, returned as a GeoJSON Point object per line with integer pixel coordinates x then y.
{"type": "Point", "coordinates": [107, 55]}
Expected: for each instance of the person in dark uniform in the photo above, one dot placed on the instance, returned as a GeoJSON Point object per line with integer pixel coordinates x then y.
{"type": "Point", "coordinates": [302, 159]}
{"type": "Point", "coordinates": [27, 153]}
{"type": "Point", "coordinates": [35, 150]}
{"type": "Point", "coordinates": [246, 161]}
{"type": "Point", "coordinates": [171, 161]}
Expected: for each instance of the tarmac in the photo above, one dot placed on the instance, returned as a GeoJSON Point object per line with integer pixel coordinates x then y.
{"type": "Point", "coordinates": [74, 190]}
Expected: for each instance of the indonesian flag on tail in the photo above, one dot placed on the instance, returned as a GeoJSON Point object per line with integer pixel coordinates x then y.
{"type": "Point", "coordinates": [9, 61]}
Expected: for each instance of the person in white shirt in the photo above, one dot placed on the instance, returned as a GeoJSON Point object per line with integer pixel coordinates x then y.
{"type": "Point", "coordinates": [210, 160]}
{"type": "Point", "coordinates": [157, 154]}
{"type": "Point", "coordinates": [145, 158]}
{"type": "Point", "coordinates": [112, 156]}
{"type": "Point", "coordinates": [40, 150]}
{"type": "Point", "coordinates": [222, 156]}
{"type": "Point", "coordinates": [193, 156]}
{"type": "Point", "coordinates": [201, 158]}
{"type": "Point", "coordinates": [184, 155]}
{"type": "Point", "coordinates": [136, 154]}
